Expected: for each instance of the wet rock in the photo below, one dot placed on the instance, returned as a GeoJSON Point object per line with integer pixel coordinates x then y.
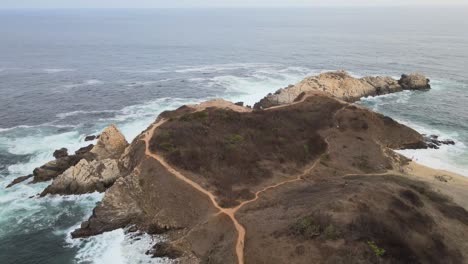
{"type": "Point", "coordinates": [85, 150]}
{"type": "Point", "coordinates": [85, 177]}
{"type": "Point", "coordinates": [433, 141]}
{"type": "Point", "coordinates": [164, 250]}
{"type": "Point", "coordinates": [19, 179]}
{"type": "Point", "coordinates": [414, 81]}
{"type": "Point", "coordinates": [60, 153]}
{"type": "Point", "coordinates": [90, 138]}
{"type": "Point", "coordinates": [62, 162]}
{"type": "Point", "coordinates": [111, 144]}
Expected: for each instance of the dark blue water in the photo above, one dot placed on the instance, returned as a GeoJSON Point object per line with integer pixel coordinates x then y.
{"type": "Point", "coordinates": [68, 73]}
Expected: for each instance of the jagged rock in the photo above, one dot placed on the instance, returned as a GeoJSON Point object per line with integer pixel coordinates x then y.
{"type": "Point", "coordinates": [118, 208]}
{"type": "Point", "coordinates": [54, 168]}
{"type": "Point", "coordinates": [414, 81]}
{"type": "Point", "coordinates": [86, 151]}
{"type": "Point", "coordinates": [19, 179]}
{"type": "Point", "coordinates": [60, 153]}
{"type": "Point", "coordinates": [164, 250]}
{"type": "Point", "coordinates": [85, 177]}
{"type": "Point", "coordinates": [90, 138]}
{"type": "Point", "coordinates": [240, 103]}
{"type": "Point", "coordinates": [111, 144]}
{"type": "Point", "coordinates": [341, 85]}
{"type": "Point", "coordinates": [338, 84]}
{"type": "Point", "coordinates": [383, 85]}
{"type": "Point", "coordinates": [433, 141]}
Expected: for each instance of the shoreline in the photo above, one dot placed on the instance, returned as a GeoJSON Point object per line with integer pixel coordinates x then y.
{"type": "Point", "coordinates": [449, 183]}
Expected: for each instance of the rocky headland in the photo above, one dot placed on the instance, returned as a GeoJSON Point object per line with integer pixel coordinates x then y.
{"type": "Point", "coordinates": [305, 177]}
{"type": "Point", "coordinates": [343, 86]}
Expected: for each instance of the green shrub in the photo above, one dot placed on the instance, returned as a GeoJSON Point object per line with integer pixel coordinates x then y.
{"type": "Point", "coordinates": [166, 146]}
{"type": "Point", "coordinates": [316, 225]}
{"type": "Point", "coordinates": [331, 232]}
{"type": "Point", "coordinates": [379, 252]}
{"type": "Point", "coordinates": [234, 139]}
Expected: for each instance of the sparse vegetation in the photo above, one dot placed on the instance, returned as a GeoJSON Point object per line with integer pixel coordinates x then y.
{"type": "Point", "coordinates": [443, 178]}
{"type": "Point", "coordinates": [379, 252]}
{"type": "Point", "coordinates": [362, 163]}
{"type": "Point", "coordinates": [227, 147]}
{"type": "Point", "coordinates": [325, 158]}
{"type": "Point", "coordinates": [315, 225]}
{"type": "Point", "coordinates": [201, 117]}
{"type": "Point", "coordinates": [166, 146]}
{"type": "Point", "coordinates": [233, 139]}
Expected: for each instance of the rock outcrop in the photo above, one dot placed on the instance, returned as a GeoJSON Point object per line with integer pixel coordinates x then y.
{"type": "Point", "coordinates": [19, 179]}
{"type": "Point", "coordinates": [414, 81]}
{"type": "Point", "coordinates": [434, 142]}
{"type": "Point", "coordinates": [85, 177]}
{"type": "Point", "coordinates": [91, 168]}
{"type": "Point", "coordinates": [341, 85]}
{"type": "Point", "coordinates": [111, 144]}
{"type": "Point", "coordinates": [62, 162]}
{"type": "Point", "coordinates": [313, 181]}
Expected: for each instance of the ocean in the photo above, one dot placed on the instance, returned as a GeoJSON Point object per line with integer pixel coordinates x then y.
{"type": "Point", "coordinates": [65, 74]}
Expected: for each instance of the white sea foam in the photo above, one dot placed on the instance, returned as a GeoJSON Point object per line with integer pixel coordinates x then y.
{"type": "Point", "coordinates": [444, 158]}
{"type": "Point", "coordinates": [222, 67]}
{"type": "Point", "coordinates": [376, 102]}
{"type": "Point", "coordinates": [81, 112]}
{"type": "Point", "coordinates": [147, 83]}
{"type": "Point", "coordinates": [252, 88]}
{"type": "Point", "coordinates": [57, 70]}
{"type": "Point", "coordinates": [131, 120]}
{"type": "Point", "coordinates": [25, 127]}
{"type": "Point", "coordinates": [448, 157]}
{"type": "Point", "coordinates": [115, 247]}
{"type": "Point", "coordinates": [92, 82]}
{"type": "Point", "coordinates": [162, 70]}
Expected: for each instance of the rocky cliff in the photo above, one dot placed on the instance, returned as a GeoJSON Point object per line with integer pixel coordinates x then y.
{"type": "Point", "coordinates": [341, 85]}
{"type": "Point", "coordinates": [314, 180]}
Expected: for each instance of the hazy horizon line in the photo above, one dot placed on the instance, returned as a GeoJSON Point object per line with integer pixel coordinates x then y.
{"type": "Point", "coordinates": [246, 7]}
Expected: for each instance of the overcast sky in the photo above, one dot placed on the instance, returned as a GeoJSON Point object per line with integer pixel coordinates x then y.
{"type": "Point", "coordinates": [213, 3]}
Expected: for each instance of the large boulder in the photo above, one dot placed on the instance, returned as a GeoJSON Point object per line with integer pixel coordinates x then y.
{"type": "Point", "coordinates": [414, 81]}
{"type": "Point", "coordinates": [111, 144]}
{"type": "Point", "coordinates": [85, 177]}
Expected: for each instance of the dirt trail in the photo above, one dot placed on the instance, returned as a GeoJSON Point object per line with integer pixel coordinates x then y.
{"type": "Point", "coordinates": [230, 212]}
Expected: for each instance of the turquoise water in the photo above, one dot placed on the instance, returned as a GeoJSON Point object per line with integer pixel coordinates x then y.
{"type": "Point", "coordinates": [66, 74]}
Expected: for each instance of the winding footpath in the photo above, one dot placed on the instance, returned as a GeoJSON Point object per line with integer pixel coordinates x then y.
{"type": "Point", "coordinates": [230, 212]}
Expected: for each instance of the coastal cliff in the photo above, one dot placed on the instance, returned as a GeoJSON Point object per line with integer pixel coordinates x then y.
{"type": "Point", "coordinates": [310, 179]}
{"type": "Point", "coordinates": [341, 85]}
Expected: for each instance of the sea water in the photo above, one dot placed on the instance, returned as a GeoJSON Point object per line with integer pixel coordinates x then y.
{"type": "Point", "coordinates": [65, 74]}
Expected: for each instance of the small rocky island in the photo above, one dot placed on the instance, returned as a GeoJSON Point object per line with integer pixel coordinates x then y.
{"type": "Point", "coordinates": [304, 177]}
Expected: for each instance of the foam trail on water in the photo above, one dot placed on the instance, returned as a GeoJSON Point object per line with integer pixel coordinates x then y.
{"type": "Point", "coordinates": [57, 70]}
{"type": "Point", "coordinates": [116, 247]}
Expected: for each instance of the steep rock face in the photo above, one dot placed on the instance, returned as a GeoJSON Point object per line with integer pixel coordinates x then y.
{"type": "Point", "coordinates": [341, 85]}
{"type": "Point", "coordinates": [91, 168]}
{"type": "Point", "coordinates": [85, 177]}
{"type": "Point", "coordinates": [111, 144]}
